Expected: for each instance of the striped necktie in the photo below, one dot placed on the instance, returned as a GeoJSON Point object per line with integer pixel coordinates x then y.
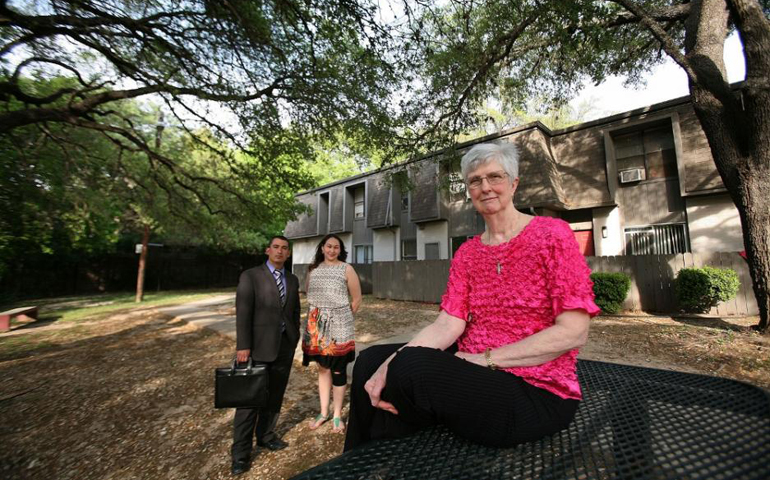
{"type": "Point", "coordinates": [279, 284]}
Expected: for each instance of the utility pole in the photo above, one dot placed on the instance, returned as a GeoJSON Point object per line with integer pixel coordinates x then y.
{"type": "Point", "coordinates": [142, 264]}
{"type": "Point", "coordinates": [146, 235]}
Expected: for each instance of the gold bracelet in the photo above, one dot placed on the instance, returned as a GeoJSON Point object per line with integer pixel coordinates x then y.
{"type": "Point", "coordinates": [488, 357]}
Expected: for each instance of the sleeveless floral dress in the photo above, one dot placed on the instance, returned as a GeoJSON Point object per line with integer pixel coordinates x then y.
{"type": "Point", "coordinates": [328, 337]}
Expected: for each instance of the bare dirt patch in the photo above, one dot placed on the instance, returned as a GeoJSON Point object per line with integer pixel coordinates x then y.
{"type": "Point", "coordinates": [725, 347]}
{"type": "Point", "coordinates": [379, 319]}
{"type": "Point", "coordinates": [130, 396]}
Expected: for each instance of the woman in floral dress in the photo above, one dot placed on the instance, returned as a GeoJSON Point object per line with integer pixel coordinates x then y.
{"type": "Point", "coordinates": [333, 295]}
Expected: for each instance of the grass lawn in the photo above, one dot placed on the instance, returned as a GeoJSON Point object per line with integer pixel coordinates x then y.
{"type": "Point", "coordinates": [67, 317]}
{"type": "Point", "coordinates": [91, 307]}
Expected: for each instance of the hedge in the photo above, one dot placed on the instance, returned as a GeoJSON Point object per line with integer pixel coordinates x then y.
{"type": "Point", "coordinates": [699, 289]}
{"type": "Point", "coordinates": [610, 290]}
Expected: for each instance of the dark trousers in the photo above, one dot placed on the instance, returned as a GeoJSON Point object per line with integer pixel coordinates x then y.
{"type": "Point", "coordinates": [263, 420]}
{"type": "Point", "coordinates": [429, 386]}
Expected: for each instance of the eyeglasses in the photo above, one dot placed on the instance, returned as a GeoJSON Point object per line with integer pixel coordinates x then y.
{"type": "Point", "coordinates": [494, 178]}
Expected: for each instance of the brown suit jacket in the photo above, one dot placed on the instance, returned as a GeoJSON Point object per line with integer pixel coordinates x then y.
{"type": "Point", "coordinates": [259, 314]}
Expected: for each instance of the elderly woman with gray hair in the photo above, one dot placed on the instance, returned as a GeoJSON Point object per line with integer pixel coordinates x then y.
{"type": "Point", "coordinates": [498, 365]}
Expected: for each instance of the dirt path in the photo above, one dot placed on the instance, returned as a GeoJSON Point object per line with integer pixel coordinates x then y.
{"type": "Point", "coordinates": [130, 397]}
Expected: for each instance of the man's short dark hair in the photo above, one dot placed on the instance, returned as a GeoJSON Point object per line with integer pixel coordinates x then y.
{"type": "Point", "coordinates": [279, 237]}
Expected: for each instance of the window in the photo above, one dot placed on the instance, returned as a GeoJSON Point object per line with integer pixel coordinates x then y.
{"type": "Point", "coordinates": [651, 150]}
{"type": "Point", "coordinates": [432, 251]}
{"type": "Point", "coordinates": [657, 240]}
{"type": "Point", "coordinates": [358, 200]}
{"type": "Point", "coordinates": [457, 241]}
{"type": "Point", "coordinates": [405, 203]}
{"type": "Point", "coordinates": [409, 249]}
{"type": "Point", "coordinates": [364, 253]}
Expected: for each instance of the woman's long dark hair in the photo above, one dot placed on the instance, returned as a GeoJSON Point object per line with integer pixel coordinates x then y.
{"type": "Point", "coordinates": [319, 251]}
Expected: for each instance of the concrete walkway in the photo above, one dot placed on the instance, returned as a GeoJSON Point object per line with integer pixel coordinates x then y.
{"type": "Point", "coordinates": [210, 313]}
{"type": "Point", "coordinates": [207, 313]}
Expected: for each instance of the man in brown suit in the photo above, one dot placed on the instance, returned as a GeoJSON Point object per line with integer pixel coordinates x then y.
{"type": "Point", "coordinates": [267, 330]}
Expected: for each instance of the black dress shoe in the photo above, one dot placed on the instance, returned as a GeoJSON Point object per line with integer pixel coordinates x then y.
{"type": "Point", "coordinates": [274, 444]}
{"type": "Point", "coordinates": [240, 466]}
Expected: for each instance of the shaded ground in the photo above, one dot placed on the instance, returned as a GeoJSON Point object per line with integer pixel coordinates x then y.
{"type": "Point", "coordinates": [130, 395]}
{"type": "Point", "coordinates": [725, 347]}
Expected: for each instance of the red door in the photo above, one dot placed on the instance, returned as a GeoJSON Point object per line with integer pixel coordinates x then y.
{"type": "Point", "coordinates": [585, 239]}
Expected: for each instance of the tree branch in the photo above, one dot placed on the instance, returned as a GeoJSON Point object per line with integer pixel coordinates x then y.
{"type": "Point", "coordinates": [755, 35]}
{"type": "Point", "coordinates": [660, 34]}
{"type": "Point", "coordinates": [20, 118]}
{"type": "Point", "coordinates": [668, 14]}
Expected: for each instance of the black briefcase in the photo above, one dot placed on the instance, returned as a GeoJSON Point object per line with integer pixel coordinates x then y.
{"type": "Point", "coordinates": [240, 386]}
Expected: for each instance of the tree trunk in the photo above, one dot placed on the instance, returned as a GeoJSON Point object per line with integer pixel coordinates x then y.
{"type": "Point", "coordinates": [756, 234]}
{"type": "Point", "coordinates": [737, 123]}
{"type": "Point", "coordinates": [744, 166]}
{"type": "Point", "coordinates": [142, 264]}
{"type": "Point", "coordinates": [146, 237]}
{"type": "Point", "coordinates": [738, 142]}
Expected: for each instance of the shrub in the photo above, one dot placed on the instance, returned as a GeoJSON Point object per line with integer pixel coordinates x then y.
{"type": "Point", "coordinates": [610, 290]}
{"type": "Point", "coordinates": [699, 289]}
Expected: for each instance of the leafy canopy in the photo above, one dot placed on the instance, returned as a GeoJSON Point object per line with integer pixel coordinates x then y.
{"type": "Point", "coordinates": [252, 86]}
{"type": "Point", "coordinates": [465, 52]}
{"type": "Point", "coordinates": [71, 191]}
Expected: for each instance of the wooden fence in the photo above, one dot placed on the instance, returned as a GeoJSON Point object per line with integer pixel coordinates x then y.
{"type": "Point", "coordinates": [651, 280]}
{"type": "Point", "coordinates": [167, 269]}
{"type": "Point", "coordinates": [423, 281]}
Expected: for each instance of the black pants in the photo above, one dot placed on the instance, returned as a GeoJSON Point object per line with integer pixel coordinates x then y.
{"type": "Point", "coordinates": [429, 386]}
{"type": "Point", "coordinates": [263, 420]}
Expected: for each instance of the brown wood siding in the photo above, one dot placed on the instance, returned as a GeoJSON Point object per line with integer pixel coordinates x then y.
{"type": "Point", "coordinates": [649, 203]}
{"type": "Point", "coordinates": [377, 201]}
{"type": "Point", "coordinates": [408, 229]}
{"type": "Point", "coordinates": [539, 180]}
{"type": "Point", "coordinates": [337, 220]}
{"type": "Point", "coordinates": [700, 172]}
{"type": "Point", "coordinates": [463, 219]}
{"type": "Point", "coordinates": [361, 234]}
{"type": "Point", "coordinates": [582, 165]}
{"type": "Point", "coordinates": [701, 175]}
{"type": "Point", "coordinates": [305, 225]}
{"type": "Point", "coordinates": [395, 206]}
{"type": "Point", "coordinates": [424, 203]}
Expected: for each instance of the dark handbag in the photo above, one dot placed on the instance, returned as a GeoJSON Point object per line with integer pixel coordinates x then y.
{"type": "Point", "coordinates": [241, 387]}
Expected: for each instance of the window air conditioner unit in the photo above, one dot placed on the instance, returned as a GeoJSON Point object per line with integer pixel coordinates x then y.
{"type": "Point", "coordinates": [633, 175]}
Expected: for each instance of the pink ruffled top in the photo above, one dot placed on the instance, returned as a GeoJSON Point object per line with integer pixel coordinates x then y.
{"type": "Point", "coordinates": [542, 275]}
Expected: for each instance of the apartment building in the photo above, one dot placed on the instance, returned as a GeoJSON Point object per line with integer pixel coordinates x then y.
{"type": "Point", "coordinates": [636, 183]}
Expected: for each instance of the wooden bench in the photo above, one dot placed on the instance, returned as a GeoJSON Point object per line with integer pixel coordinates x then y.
{"type": "Point", "coordinates": [633, 423]}
{"type": "Point", "coordinates": [23, 313]}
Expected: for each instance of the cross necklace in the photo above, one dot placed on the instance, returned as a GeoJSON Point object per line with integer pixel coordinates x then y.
{"type": "Point", "coordinates": [499, 267]}
{"type": "Point", "coordinates": [499, 264]}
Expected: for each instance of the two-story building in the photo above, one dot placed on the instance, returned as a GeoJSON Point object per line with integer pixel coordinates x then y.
{"type": "Point", "coordinates": [640, 182]}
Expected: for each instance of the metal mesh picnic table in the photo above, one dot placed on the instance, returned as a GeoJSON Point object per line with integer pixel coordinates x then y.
{"type": "Point", "coordinates": [633, 423]}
